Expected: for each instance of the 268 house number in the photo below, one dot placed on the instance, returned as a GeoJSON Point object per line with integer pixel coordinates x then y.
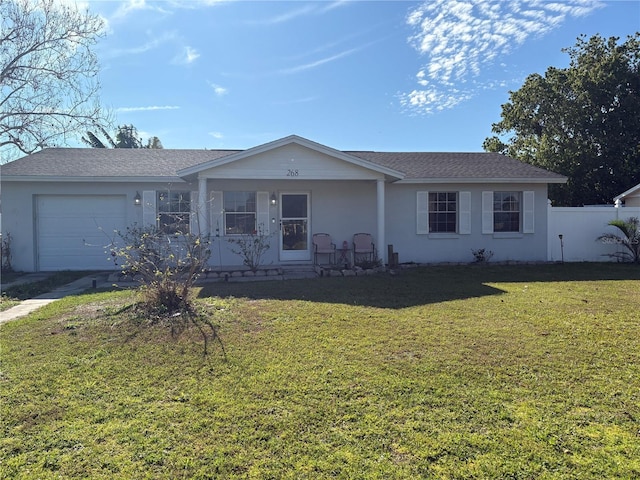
{"type": "Point", "coordinates": [292, 173]}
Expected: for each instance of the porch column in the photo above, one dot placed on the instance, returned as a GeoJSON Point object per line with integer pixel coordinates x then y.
{"type": "Point", "coordinates": [382, 247]}
{"type": "Point", "coordinates": [202, 206]}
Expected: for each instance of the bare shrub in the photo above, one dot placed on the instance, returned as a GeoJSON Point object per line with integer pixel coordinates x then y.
{"type": "Point", "coordinates": [251, 248]}
{"type": "Point", "coordinates": [167, 266]}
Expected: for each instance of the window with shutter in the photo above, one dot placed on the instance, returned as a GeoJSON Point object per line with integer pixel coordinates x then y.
{"type": "Point", "coordinates": [174, 212]}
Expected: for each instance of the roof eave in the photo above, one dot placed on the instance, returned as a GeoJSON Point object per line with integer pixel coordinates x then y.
{"type": "Point", "coordinates": [110, 179]}
{"type": "Point", "coordinates": [480, 180]}
{"type": "Point", "coordinates": [627, 193]}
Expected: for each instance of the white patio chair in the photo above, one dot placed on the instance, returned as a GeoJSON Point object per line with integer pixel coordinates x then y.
{"type": "Point", "coordinates": [322, 245]}
{"type": "Point", "coordinates": [363, 247]}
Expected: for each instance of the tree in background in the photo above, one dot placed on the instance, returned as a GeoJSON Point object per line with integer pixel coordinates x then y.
{"type": "Point", "coordinates": [582, 121]}
{"type": "Point", "coordinates": [154, 142]}
{"type": "Point", "coordinates": [126, 137]}
{"type": "Point", "coordinates": [94, 141]}
{"type": "Point", "coordinates": [48, 73]}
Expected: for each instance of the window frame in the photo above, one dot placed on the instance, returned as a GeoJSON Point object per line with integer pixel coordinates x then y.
{"type": "Point", "coordinates": [182, 213]}
{"type": "Point", "coordinates": [505, 216]}
{"type": "Point", "coordinates": [433, 214]}
{"type": "Point", "coordinates": [245, 213]}
{"type": "Point", "coordinates": [463, 211]}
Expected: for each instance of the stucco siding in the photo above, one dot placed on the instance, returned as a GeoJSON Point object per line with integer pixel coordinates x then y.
{"type": "Point", "coordinates": [401, 217]}
{"type": "Point", "coordinates": [19, 211]}
{"type": "Point", "coordinates": [339, 208]}
{"type": "Point", "coordinates": [633, 201]}
{"type": "Point", "coordinates": [290, 162]}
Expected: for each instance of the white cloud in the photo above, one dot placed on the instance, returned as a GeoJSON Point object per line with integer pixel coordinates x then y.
{"type": "Point", "coordinates": [432, 99]}
{"type": "Point", "coordinates": [336, 4]}
{"type": "Point", "coordinates": [325, 60]}
{"type": "Point", "coordinates": [131, 6]}
{"type": "Point", "coordinates": [459, 38]}
{"type": "Point", "coordinates": [286, 16]}
{"type": "Point", "coordinates": [217, 135]}
{"type": "Point", "coordinates": [308, 9]}
{"type": "Point", "coordinates": [147, 109]}
{"type": "Point", "coordinates": [294, 101]}
{"type": "Point", "coordinates": [127, 7]}
{"type": "Point", "coordinates": [317, 63]}
{"type": "Point", "coordinates": [150, 45]}
{"type": "Point", "coordinates": [219, 90]}
{"type": "Point", "coordinates": [187, 56]}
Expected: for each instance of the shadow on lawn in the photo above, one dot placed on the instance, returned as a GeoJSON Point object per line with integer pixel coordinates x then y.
{"type": "Point", "coordinates": [419, 286]}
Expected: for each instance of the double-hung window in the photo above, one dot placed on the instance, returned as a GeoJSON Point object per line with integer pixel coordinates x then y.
{"type": "Point", "coordinates": [506, 211]}
{"type": "Point", "coordinates": [443, 212]}
{"type": "Point", "coordinates": [174, 212]}
{"type": "Point", "coordinates": [240, 213]}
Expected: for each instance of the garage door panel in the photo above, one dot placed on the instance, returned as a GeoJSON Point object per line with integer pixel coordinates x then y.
{"type": "Point", "coordinates": [74, 231]}
{"type": "Point", "coordinates": [73, 225]}
{"type": "Point", "coordinates": [83, 205]}
{"type": "Point", "coordinates": [70, 232]}
{"type": "Point", "coordinates": [72, 261]}
{"type": "Point", "coordinates": [74, 246]}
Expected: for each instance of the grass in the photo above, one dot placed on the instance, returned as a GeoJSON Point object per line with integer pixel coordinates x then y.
{"type": "Point", "coordinates": [459, 372]}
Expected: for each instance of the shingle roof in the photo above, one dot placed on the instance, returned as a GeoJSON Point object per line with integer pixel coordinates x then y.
{"type": "Point", "coordinates": [103, 162]}
{"type": "Point", "coordinates": [132, 163]}
{"type": "Point", "coordinates": [442, 165]}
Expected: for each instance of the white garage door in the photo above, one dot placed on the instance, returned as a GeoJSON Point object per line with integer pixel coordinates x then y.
{"type": "Point", "coordinates": [74, 231]}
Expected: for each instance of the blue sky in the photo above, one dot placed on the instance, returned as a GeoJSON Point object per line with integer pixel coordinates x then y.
{"type": "Point", "coordinates": [353, 75]}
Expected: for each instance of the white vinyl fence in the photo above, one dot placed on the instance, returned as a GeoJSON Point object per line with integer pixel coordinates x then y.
{"type": "Point", "coordinates": [580, 227]}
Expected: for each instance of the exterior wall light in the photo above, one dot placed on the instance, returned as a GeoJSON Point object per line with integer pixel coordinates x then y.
{"type": "Point", "coordinates": [274, 199]}
{"type": "Point", "coordinates": [137, 200]}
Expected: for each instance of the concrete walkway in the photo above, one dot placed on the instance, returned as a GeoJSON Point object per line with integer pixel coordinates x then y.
{"type": "Point", "coordinates": [28, 306]}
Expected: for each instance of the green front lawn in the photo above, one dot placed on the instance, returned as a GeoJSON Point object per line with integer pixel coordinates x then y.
{"type": "Point", "coordinates": [528, 372]}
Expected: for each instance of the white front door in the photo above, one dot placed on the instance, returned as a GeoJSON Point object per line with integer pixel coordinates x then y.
{"type": "Point", "coordinates": [295, 238]}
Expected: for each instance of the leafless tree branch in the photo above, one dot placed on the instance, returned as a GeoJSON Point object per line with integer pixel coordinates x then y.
{"type": "Point", "coordinates": [48, 73]}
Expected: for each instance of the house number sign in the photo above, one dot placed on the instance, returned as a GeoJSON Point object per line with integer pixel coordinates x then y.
{"type": "Point", "coordinates": [292, 172]}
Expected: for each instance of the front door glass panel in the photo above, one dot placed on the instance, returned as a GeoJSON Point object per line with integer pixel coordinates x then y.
{"type": "Point", "coordinates": [294, 215]}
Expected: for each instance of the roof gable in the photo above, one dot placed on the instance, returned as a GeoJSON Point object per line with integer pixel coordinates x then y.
{"type": "Point", "coordinates": [261, 152]}
{"type": "Point", "coordinates": [632, 192]}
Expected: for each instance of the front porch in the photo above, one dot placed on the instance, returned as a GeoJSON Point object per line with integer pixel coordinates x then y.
{"type": "Point", "coordinates": [286, 219]}
{"type": "Point", "coordinates": [287, 191]}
